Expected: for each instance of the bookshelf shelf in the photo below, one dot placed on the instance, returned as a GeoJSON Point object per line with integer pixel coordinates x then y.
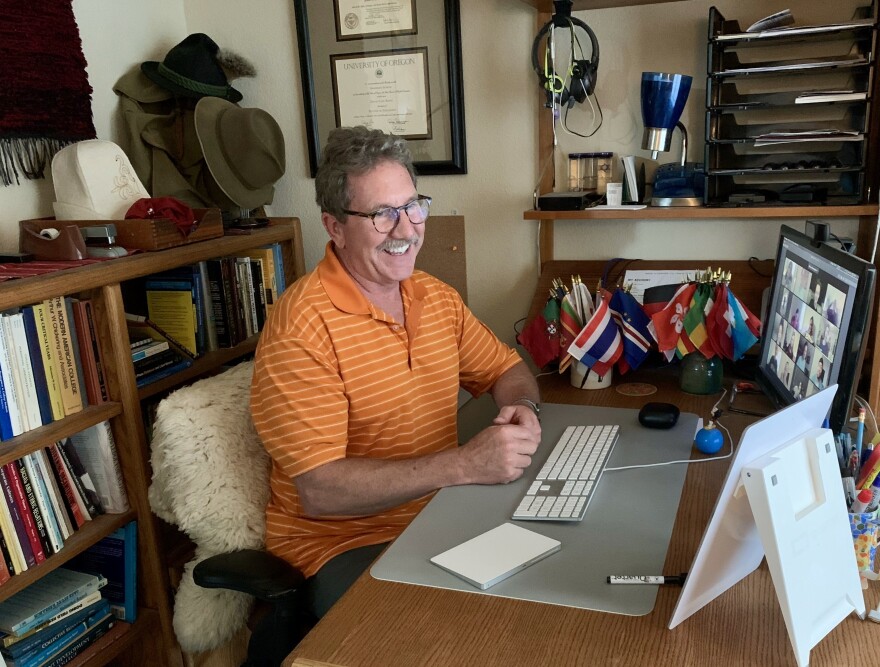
{"type": "Point", "coordinates": [93, 531]}
{"type": "Point", "coordinates": [120, 637]}
{"type": "Point", "coordinates": [44, 436]}
{"type": "Point", "coordinates": [150, 640]}
{"type": "Point", "coordinates": [200, 366]}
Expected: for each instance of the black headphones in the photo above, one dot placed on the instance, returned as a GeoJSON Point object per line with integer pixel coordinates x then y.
{"type": "Point", "coordinates": [583, 72]}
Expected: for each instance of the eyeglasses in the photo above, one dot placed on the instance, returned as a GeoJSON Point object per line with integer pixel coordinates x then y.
{"type": "Point", "coordinates": [386, 219]}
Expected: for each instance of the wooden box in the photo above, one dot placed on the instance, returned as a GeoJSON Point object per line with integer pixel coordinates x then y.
{"type": "Point", "coordinates": [144, 234]}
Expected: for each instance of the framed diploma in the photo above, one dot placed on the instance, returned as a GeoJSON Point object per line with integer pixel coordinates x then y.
{"type": "Point", "coordinates": [359, 19]}
{"type": "Point", "coordinates": [385, 90]}
{"type": "Point", "coordinates": [380, 69]}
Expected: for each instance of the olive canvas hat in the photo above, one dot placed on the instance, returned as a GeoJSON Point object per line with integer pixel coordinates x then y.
{"type": "Point", "coordinates": [191, 69]}
{"type": "Point", "coordinates": [243, 148]}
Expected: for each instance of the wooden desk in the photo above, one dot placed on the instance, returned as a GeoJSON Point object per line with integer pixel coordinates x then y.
{"type": "Point", "coordinates": [389, 624]}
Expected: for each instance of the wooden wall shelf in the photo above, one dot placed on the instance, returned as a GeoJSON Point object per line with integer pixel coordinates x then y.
{"type": "Point", "coordinates": [581, 5]}
{"type": "Point", "coordinates": [866, 214]}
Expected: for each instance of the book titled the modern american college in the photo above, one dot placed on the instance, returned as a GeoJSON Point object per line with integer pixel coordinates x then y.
{"type": "Point", "coordinates": [46, 596]}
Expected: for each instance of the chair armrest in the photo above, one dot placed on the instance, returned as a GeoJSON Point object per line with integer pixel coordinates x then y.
{"type": "Point", "coordinates": [255, 572]}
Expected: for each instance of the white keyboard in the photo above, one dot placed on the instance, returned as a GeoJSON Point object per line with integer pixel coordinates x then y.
{"type": "Point", "coordinates": [563, 488]}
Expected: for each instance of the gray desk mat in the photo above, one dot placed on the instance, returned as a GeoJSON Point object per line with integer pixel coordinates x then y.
{"type": "Point", "coordinates": [626, 530]}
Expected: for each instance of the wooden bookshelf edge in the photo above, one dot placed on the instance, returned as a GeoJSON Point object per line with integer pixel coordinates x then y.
{"type": "Point", "coordinates": [93, 531]}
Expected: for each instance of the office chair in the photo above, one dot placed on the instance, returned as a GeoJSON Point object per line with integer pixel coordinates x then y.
{"type": "Point", "coordinates": [210, 479]}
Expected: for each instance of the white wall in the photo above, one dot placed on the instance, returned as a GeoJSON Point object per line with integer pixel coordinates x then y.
{"type": "Point", "coordinates": [501, 101]}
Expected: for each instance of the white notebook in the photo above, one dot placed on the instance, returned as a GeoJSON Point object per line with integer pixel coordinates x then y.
{"type": "Point", "coordinates": [496, 554]}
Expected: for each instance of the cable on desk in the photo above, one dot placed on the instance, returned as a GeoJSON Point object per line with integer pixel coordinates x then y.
{"type": "Point", "coordinates": [715, 412]}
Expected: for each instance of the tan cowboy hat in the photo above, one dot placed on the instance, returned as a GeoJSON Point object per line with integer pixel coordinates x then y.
{"type": "Point", "coordinates": [243, 148]}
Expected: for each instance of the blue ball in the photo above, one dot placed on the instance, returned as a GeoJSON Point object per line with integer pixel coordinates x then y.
{"type": "Point", "coordinates": [709, 440]}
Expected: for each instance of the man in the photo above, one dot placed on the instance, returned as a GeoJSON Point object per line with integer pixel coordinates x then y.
{"type": "Point", "coordinates": [357, 374]}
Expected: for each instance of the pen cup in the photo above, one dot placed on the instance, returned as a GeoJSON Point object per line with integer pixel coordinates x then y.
{"type": "Point", "coordinates": [865, 533]}
{"type": "Point", "coordinates": [593, 381]}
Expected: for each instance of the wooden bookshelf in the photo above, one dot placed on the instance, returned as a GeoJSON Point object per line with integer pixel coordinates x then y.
{"type": "Point", "coordinates": [152, 633]}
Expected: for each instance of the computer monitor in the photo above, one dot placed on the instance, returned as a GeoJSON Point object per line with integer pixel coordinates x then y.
{"type": "Point", "coordinates": [817, 322]}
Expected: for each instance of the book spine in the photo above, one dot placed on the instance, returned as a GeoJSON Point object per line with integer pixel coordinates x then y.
{"type": "Point", "coordinates": [87, 359]}
{"type": "Point", "coordinates": [13, 401]}
{"type": "Point", "coordinates": [50, 361]}
{"type": "Point", "coordinates": [25, 369]}
{"type": "Point", "coordinates": [198, 309]}
{"type": "Point", "coordinates": [280, 278]}
{"type": "Point", "coordinates": [5, 417]}
{"type": "Point", "coordinates": [37, 367]}
{"type": "Point", "coordinates": [120, 498]}
{"type": "Point", "coordinates": [6, 568]}
{"type": "Point", "coordinates": [243, 265]}
{"type": "Point", "coordinates": [96, 351]}
{"type": "Point", "coordinates": [56, 499]}
{"type": "Point", "coordinates": [9, 495]}
{"type": "Point", "coordinates": [75, 505]}
{"type": "Point", "coordinates": [70, 388]}
{"type": "Point", "coordinates": [159, 373]}
{"type": "Point", "coordinates": [85, 488]}
{"type": "Point", "coordinates": [13, 471]}
{"type": "Point", "coordinates": [32, 512]}
{"type": "Point", "coordinates": [218, 303]}
{"type": "Point", "coordinates": [81, 643]}
{"type": "Point", "coordinates": [74, 347]}
{"type": "Point", "coordinates": [97, 450]}
{"type": "Point", "coordinates": [149, 350]}
{"type": "Point", "coordinates": [259, 293]}
{"type": "Point", "coordinates": [57, 626]}
{"type": "Point", "coordinates": [59, 605]}
{"type": "Point", "coordinates": [155, 363]}
{"type": "Point", "coordinates": [207, 307]}
{"type": "Point", "coordinates": [54, 536]}
{"type": "Point", "coordinates": [19, 564]}
{"type": "Point", "coordinates": [233, 290]}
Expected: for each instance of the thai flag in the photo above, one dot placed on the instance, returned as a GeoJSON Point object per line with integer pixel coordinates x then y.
{"type": "Point", "coordinates": [599, 345]}
{"type": "Point", "coordinates": [635, 327]}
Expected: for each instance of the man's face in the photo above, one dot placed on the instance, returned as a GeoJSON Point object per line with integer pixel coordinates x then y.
{"type": "Point", "coordinates": [374, 259]}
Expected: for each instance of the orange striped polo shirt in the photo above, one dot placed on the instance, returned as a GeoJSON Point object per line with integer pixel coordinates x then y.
{"type": "Point", "coordinates": [336, 377]}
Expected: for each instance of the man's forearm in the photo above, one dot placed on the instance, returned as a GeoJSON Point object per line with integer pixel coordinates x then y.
{"type": "Point", "coordinates": [517, 382]}
{"type": "Point", "coordinates": [362, 486]}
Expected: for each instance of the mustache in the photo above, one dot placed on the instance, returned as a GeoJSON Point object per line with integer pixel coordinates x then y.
{"type": "Point", "coordinates": [397, 244]}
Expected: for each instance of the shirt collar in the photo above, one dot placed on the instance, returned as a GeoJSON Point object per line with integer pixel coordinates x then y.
{"type": "Point", "coordinates": [344, 293]}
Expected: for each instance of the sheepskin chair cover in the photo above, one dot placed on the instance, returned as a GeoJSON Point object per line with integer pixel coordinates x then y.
{"type": "Point", "coordinates": [210, 478]}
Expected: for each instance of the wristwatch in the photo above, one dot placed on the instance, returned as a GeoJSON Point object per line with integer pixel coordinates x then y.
{"type": "Point", "coordinates": [536, 408]}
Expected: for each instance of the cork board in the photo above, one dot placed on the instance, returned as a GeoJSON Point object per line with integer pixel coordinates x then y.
{"type": "Point", "coordinates": [443, 251]}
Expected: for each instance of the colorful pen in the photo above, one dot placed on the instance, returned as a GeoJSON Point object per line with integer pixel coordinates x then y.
{"type": "Point", "coordinates": [860, 433]}
{"type": "Point", "coordinates": [656, 579]}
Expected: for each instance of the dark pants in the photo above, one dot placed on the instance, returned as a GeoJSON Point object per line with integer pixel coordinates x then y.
{"type": "Point", "coordinates": [337, 576]}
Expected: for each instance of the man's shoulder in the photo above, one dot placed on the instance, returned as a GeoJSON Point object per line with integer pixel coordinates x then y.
{"type": "Point", "coordinates": [433, 285]}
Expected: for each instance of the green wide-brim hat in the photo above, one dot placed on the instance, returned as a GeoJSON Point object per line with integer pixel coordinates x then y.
{"type": "Point", "coordinates": [243, 148]}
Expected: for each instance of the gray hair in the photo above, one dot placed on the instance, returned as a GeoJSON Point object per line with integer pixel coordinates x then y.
{"type": "Point", "coordinates": [355, 151]}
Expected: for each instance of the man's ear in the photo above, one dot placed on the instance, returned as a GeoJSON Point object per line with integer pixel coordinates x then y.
{"type": "Point", "coordinates": [335, 229]}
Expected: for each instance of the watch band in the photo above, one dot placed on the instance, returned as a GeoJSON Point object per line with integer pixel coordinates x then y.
{"type": "Point", "coordinates": [536, 408]}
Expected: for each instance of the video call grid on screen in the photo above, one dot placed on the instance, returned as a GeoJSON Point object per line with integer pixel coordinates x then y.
{"type": "Point", "coordinates": [807, 322]}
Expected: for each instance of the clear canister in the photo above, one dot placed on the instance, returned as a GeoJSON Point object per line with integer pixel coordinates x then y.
{"type": "Point", "coordinates": [589, 172]}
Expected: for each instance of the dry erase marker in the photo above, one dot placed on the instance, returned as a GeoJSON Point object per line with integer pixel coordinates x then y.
{"type": "Point", "coordinates": [655, 579]}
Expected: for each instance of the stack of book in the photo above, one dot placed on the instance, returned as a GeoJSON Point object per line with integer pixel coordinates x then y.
{"type": "Point", "coordinates": [154, 359]}
{"type": "Point", "coordinates": [54, 619]}
{"type": "Point", "coordinates": [217, 303]}
{"type": "Point", "coordinates": [47, 495]}
{"type": "Point", "coordinates": [51, 364]}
